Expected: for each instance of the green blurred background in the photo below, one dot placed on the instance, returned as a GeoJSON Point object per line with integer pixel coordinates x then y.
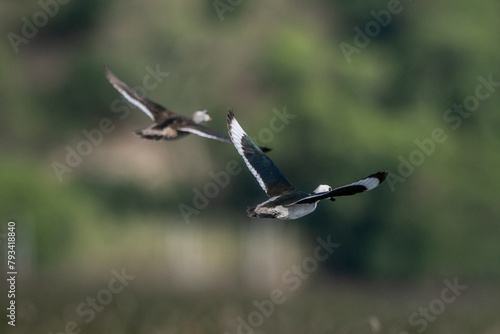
{"type": "Point", "coordinates": [362, 103]}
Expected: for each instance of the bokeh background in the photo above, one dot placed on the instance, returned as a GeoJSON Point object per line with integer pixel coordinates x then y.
{"type": "Point", "coordinates": [361, 102]}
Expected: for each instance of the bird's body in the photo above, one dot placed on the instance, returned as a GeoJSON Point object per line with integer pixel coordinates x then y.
{"type": "Point", "coordinates": [167, 125]}
{"type": "Point", "coordinates": [286, 202]}
{"type": "Point", "coordinates": [279, 207]}
{"type": "Point", "coordinates": [171, 129]}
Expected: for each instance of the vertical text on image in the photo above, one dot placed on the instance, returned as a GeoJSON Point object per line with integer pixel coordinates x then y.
{"type": "Point", "coordinates": [11, 273]}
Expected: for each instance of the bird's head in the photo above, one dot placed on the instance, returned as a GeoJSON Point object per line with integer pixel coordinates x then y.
{"type": "Point", "coordinates": [323, 188]}
{"type": "Point", "coordinates": [201, 116]}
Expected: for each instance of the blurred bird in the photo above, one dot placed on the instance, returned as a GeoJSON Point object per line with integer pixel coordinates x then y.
{"type": "Point", "coordinates": [167, 124]}
{"type": "Point", "coordinates": [285, 201]}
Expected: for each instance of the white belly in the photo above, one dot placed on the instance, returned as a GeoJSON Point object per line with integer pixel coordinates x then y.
{"type": "Point", "coordinates": [299, 210]}
{"type": "Point", "coordinates": [285, 212]}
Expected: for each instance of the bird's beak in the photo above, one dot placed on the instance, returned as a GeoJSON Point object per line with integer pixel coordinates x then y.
{"type": "Point", "coordinates": [209, 119]}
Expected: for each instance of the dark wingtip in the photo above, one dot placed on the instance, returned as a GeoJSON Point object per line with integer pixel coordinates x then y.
{"type": "Point", "coordinates": [230, 116]}
{"type": "Point", "coordinates": [380, 176]}
{"type": "Point", "coordinates": [265, 149]}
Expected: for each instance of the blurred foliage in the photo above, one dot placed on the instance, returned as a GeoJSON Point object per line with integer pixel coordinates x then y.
{"type": "Point", "coordinates": [352, 119]}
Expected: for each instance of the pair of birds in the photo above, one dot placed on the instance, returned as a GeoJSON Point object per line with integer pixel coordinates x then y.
{"type": "Point", "coordinates": [285, 201]}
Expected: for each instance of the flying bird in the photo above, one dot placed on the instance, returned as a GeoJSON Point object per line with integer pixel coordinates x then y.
{"type": "Point", "coordinates": [167, 124]}
{"type": "Point", "coordinates": [286, 202]}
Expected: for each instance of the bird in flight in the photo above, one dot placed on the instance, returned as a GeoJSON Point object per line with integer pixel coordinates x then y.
{"type": "Point", "coordinates": [167, 124]}
{"type": "Point", "coordinates": [285, 201]}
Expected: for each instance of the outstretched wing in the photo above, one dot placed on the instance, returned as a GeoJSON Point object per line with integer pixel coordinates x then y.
{"type": "Point", "coordinates": [203, 131]}
{"type": "Point", "coordinates": [368, 183]}
{"type": "Point", "coordinates": [270, 178]}
{"type": "Point", "coordinates": [156, 112]}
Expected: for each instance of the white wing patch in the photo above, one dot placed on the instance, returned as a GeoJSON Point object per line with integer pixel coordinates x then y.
{"type": "Point", "coordinates": [369, 182]}
{"type": "Point", "coordinates": [237, 133]}
{"type": "Point", "coordinates": [133, 100]}
{"type": "Point", "coordinates": [202, 133]}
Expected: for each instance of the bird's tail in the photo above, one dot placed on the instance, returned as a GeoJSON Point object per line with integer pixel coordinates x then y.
{"type": "Point", "coordinates": [254, 214]}
{"type": "Point", "coordinates": [141, 134]}
{"type": "Point", "coordinates": [251, 211]}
